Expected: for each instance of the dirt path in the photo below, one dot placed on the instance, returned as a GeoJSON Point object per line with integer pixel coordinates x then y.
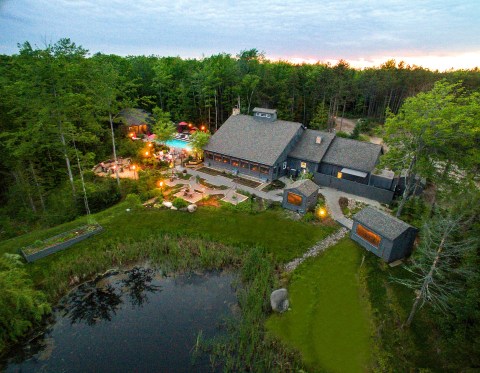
{"type": "Point", "coordinates": [345, 124]}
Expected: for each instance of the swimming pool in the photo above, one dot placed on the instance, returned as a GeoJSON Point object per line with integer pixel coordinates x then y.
{"type": "Point", "coordinates": [178, 144]}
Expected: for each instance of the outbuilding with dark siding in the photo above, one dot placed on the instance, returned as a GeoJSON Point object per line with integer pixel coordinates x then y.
{"type": "Point", "coordinates": [383, 234]}
{"type": "Point", "coordinates": [300, 196]}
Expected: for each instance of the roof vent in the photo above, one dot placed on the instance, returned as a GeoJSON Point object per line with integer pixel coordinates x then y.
{"type": "Point", "coordinates": [318, 140]}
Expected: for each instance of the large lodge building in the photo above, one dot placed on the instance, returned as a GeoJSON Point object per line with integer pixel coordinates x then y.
{"type": "Point", "coordinates": [266, 148]}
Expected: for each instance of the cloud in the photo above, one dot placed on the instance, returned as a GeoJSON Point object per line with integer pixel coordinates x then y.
{"type": "Point", "coordinates": [352, 29]}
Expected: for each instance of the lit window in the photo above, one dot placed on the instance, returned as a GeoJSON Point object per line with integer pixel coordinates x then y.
{"type": "Point", "coordinates": [244, 164]}
{"type": "Point", "coordinates": [226, 160]}
{"type": "Point", "coordinates": [235, 162]}
{"type": "Point", "coordinates": [294, 199]}
{"type": "Point", "coordinates": [218, 158]}
{"type": "Point", "coordinates": [254, 167]}
{"type": "Point", "coordinates": [368, 235]}
{"type": "Point", "coordinates": [303, 164]}
{"type": "Point", "coordinates": [339, 175]}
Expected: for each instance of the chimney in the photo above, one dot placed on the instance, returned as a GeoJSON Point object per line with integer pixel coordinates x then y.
{"type": "Point", "coordinates": [318, 140]}
{"type": "Point", "coordinates": [236, 111]}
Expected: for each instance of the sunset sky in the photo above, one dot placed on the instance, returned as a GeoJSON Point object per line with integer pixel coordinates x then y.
{"type": "Point", "coordinates": [432, 33]}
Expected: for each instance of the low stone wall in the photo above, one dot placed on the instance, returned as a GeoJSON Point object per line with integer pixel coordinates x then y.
{"type": "Point", "coordinates": [59, 247]}
{"type": "Point", "coordinates": [362, 190]}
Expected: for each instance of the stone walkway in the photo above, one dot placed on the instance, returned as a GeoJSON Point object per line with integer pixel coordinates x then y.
{"type": "Point", "coordinates": [317, 248]}
{"type": "Point", "coordinates": [274, 195]}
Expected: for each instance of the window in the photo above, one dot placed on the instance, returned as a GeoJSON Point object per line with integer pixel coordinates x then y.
{"type": "Point", "coordinates": [339, 175]}
{"type": "Point", "coordinates": [368, 235]}
{"type": "Point", "coordinates": [294, 199]}
{"type": "Point", "coordinates": [284, 166]}
{"type": "Point", "coordinates": [253, 167]}
{"type": "Point", "coordinates": [264, 170]}
{"type": "Point", "coordinates": [218, 158]}
{"type": "Point", "coordinates": [267, 115]}
{"type": "Point", "coordinates": [208, 155]}
{"type": "Point", "coordinates": [244, 164]}
{"type": "Point", "coordinates": [303, 164]}
{"type": "Point", "coordinates": [235, 162]}
{"type": "Point", "coordinates": [226, 160]}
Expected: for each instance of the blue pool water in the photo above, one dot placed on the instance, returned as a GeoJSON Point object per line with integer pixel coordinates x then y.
{"type": "Point", "coordinates": [179, 144]}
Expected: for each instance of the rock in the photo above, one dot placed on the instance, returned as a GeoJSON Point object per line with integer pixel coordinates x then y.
{"type": "Point", "coordinates": [167, 204]}
{"type": "Point", "coordinates": [173, 208]}
{"type": "Point", "coordinates": [127, 210]}
{"type": "Point", "coordinates": [192, 208]}
{"type": "Point", "coordinates": [279, 300]}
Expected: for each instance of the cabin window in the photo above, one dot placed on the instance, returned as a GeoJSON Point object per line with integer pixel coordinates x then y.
{"type": "Point", "coordinates": [303, 164]}
{"type": "Point", "coordinates": [368, 235]}
{"type": "Point", "coordinates": [226, 160]}
{"type": "Point", "coordinates": [339, 175]}
{"type": "Point", "coordinates": [244, 164]}
{"type": "Point", "coordinates": [208, 155]}
{"type": "Point", "coordinates": [254, 167]}
{"type": "Point", "coordinates": [264, 170]}
{"type": "Point", "coordinates": [218, 158]}
{"type": "Point", "coordinates": [284, 166]}
{"type": "Point", "coordinates": [235, 162]}
{"type": "Point", "coordinates": [294, 199]}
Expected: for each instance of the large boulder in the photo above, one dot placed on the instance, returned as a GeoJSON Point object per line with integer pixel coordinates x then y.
{"type": "Point", "coordinates": [192, 207]}
{"type": "Point", "coordinates": [279, 300]}
{"type": "Point", "coordinates": [167, 204]}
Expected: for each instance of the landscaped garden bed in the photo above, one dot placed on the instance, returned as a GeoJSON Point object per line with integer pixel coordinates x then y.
{"type": "Point", "coordinates": [51, 245]}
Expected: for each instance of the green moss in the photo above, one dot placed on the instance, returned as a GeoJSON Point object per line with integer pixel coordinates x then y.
{"type": "Point", "coordinates": [329, 322]}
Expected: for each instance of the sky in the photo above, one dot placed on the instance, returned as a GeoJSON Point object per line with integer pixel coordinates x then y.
{"type": "Point", "coordinates": [434, 34]}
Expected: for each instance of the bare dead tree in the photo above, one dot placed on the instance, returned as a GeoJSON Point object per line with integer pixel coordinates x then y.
{"type": "Point", "coordinates": [434, 270]}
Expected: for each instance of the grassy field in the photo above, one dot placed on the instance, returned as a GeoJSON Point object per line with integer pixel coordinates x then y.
{"type": "Point", "coordinates": [329, 321]}
{"type": "Point", "coordinates": [282, 238]}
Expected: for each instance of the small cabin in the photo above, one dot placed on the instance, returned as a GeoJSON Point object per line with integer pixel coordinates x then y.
{"type": "Point", "coordinates": [135, 121]}
{"type": "Point", "coordinates": [383, 234]}
{"type": "Point", "coordinates": [300, 196]}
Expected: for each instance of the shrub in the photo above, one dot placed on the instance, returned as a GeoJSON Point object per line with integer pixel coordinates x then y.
{"type": "Point", "coordinates": [179, 203]}
{"type": "Point", "coordinates": [133, 200]}
{"type": "Point", "coordinates": [343, 134]}
{"type": "Point", "coordinates": [343, 202]}
{"type": "Point", "coordinates": [309, 217]}
{"type": "Point", "coordinates": [21, 306]}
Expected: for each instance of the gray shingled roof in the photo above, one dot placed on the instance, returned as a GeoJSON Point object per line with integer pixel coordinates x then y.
{"type": "Point", "coordinates": [244, 137]}
{"type": "Point", "coordinates": [264, 110]}
{"type": "Point", "coordinates": [306, 186]}
{"type": "Point", "coordinates": [357, 155]}
{"type": "Point", "coordinates": [135, 117]}
{"type": "Point", "coordinates": [307, 149]}
{"type": "Point", "coordinates": [380, 222]}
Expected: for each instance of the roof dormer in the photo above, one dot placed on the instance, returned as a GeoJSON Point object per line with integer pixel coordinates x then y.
{"type": "Point", "coordinates": [269, 115]}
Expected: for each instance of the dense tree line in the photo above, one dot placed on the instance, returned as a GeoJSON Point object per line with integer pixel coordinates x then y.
{"type": "Point", "coordinates": [59, 105]}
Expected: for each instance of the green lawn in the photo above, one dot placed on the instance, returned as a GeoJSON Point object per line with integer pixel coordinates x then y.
{"type": "Point", "coordinates": [284, 239]}
{"type": "Point", "coordinates": [329, 322]}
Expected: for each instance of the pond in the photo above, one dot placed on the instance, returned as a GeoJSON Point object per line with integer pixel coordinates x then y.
{"type": "Point", "coordinates": [136, 320]}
